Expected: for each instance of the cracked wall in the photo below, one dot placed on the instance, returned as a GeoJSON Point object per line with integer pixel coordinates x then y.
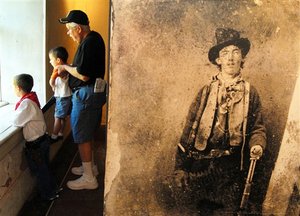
{"type": "Point", "coordinates": [158, 61]}
{"type": "Point", "coordinates": [16, 183]}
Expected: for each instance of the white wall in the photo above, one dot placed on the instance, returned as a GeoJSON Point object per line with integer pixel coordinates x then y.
{"type": "Point", "coordinates": [22, 38]}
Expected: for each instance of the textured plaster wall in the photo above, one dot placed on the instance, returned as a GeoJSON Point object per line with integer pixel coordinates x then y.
{"type": "Point", "coordinates": [16, 183]}
{"type": "Point", "coordinates": [285, 178]}
{"type": "Point", "coordinates": [158, 61]}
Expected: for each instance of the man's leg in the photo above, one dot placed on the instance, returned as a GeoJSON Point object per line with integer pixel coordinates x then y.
{"type": "Point", "coordinates": [87, 180]}
{"type": "Point", "coordinates": [85, 151]}
{"type": "Point", "coordinates": [84, 120]}
{"type": "Point", "coordinates": [85, 159]}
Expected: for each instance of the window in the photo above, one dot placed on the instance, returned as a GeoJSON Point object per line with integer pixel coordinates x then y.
{"type": "Point", "coordinates": [22, 45]}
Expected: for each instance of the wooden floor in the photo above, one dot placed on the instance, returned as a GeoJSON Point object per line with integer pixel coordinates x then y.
{"type": "Point", "coordinates": [75, 203]}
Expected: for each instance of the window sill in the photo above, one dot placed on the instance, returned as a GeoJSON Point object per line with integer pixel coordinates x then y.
{"type": "Point", "coordinates": [6, 127]}
{"type": "Point", "coordinates": [3, 103]}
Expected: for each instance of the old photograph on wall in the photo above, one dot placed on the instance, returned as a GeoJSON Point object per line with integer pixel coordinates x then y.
{"type": "Point", "coordinates": [202, 116]}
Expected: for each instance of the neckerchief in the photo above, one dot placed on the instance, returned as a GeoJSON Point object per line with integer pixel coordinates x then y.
{"type": "Point", "coordinates": [230, 93]}
{"type": "Point", "coordinates": [32, 96]}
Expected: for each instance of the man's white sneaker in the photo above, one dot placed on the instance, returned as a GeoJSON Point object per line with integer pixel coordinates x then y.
{"type": "Point", "coordinates": [83, 183]}
{"type": "Point", "coordinates": [79, 170]}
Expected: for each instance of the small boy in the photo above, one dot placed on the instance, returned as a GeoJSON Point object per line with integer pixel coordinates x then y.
{"type": "Point", "coordinates": [62, 92]}
{"type": "Point", "coordinates": [29, 116]}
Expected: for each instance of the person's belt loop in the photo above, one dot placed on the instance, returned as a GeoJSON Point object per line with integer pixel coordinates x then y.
{"type": "Point", "coordinates": [76, 88]}
{"type": "Point", "coordinates": [79, 87]}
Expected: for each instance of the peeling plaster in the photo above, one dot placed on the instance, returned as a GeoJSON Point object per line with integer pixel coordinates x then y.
{"type": "Point", "coordinates": [286, 172]}
{"type": "Point", "coordinates": [10, 169]}
{"type": "Point", "coordinates": [112, 161]}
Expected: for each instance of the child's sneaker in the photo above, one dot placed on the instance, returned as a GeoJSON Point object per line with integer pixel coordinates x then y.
{"type": "Point", "coordinates": [83, 183]}
{"type": "Point", "coordinates": [79, 170]}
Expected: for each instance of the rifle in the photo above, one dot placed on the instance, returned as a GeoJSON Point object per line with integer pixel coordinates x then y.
{"type": "Point", "coordinates": [247, 188]}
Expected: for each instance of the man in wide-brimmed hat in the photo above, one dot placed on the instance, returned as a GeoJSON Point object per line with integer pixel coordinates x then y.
{"type": "Point", "coordinates": [224, 128]}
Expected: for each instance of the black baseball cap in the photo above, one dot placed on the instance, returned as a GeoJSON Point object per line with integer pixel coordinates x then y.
{"type": "Point", "coordinates": [76, 16]}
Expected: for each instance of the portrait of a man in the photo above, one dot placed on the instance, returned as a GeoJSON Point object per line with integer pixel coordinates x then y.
{"type": "Point", "coordinates": [223, 130]}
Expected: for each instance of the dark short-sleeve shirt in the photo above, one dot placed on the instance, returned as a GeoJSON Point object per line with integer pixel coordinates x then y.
{"type": "Point", "coordinates": [89, 60]}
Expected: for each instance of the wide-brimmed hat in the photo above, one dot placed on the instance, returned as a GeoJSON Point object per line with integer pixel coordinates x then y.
{"type": "Point", "coordinates": [226, 37]}
{"type": "Point", "coordinates": [76, 16]}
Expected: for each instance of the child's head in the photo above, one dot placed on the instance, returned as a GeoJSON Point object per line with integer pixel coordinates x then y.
{"type": "Point", "coordinates": [58, 56]}
{"type": "Point", "coordinates": [23, 84]}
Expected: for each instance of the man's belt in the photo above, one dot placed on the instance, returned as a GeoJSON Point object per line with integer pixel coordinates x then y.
{"type": "Point", "coordinates": [36, 143]}
{"type": "Point", "coordinates": [79, 87]}
{"type": "Point", "coordinates": [213, 153]}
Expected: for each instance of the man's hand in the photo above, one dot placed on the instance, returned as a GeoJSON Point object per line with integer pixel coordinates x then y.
{"type": "Point", "coordinates": [181, 178]}
{"type": "Point", "coordinates": [71, 70]}
{"type": "Point", "coordinates": [256, 151]}
{"type": "Point", "coordinates": [60, 68]}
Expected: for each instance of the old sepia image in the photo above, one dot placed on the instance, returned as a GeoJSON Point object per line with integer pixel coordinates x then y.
{"type": "Point", "coordinates": [224, 130]}
{"type": "Point", "coordinates": [202, 110]}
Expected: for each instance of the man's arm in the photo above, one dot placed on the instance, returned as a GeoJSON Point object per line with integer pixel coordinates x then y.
{"type": "Point", "coordinates": [257, 130]}
{"type": "Point", "coordinates": [73, 71]}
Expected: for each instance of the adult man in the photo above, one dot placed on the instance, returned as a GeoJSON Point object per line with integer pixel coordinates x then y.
{"type": "Point", "coordinates": [223, 128]}
{"type": "Point", "coordinates": [88, 97]}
